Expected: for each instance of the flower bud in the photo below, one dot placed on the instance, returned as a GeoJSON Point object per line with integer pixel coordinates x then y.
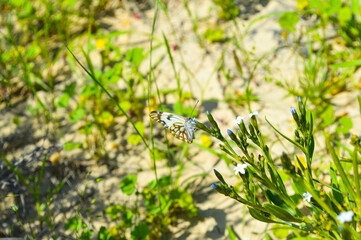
{"type": "Point", "coordinates": [212, 121]}
{"type": "Point", "coordinates": [219, 176]}
{"type": "Point", "coordinates": [233, 136]}
{"type": "Point", "coordinates": [295, 116]}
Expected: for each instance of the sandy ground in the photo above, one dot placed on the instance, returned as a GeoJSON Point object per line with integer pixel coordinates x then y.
{"type": "Point", "coordinates": [216, 212]}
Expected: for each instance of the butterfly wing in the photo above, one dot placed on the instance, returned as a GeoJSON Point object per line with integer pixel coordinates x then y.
{"type": "Point", "coordinates": [179, 130]}
{"type": "Point", "coordinates": [166, 119]}
{"type": "Point", "coordinates": [174, 123]}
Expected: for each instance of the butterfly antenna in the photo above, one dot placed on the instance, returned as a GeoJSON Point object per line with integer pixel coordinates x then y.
{"type": "Point", "coordinates": [194, 107]}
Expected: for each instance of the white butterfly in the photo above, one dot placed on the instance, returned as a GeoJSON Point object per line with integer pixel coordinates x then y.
{"type": "Point", "coordinates": [181, 127]}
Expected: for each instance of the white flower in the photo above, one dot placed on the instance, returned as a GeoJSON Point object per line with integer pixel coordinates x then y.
{"type": "Point", "coordinates": [253, 114]}
{"type": "Point", "coordinates": [240, 168]}
{"type": "Point", "coordinates": [307, 196]}
{"type": "Point", "coordinates": [238, 120]}
{"type": "Point", "coordinates": [345, 216]}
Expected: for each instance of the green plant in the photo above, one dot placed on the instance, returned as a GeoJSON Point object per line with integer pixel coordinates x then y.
{"type": "Point", "coordinates": [333, 212]}
{"type": "Point", "coordinates": [174, 202]}
{"type": "Point", "coordinates": [328, 48]}
{"type": "Point", "coordinates": [228, 10]}
{"type": "Point", "coordinates": [95, 110]}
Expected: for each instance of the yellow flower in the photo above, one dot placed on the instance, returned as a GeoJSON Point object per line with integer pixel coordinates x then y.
{"type": "Point", "coordinates": [113, 231]}
{"type": "Point", "coordinates": [54, 158]}
{"type": "Point", "coordinates": [206, 141]}
{"type": "Point", "coordinates": [82, 98]}
{"type": "Point", "coordinates": [153, 104]}
{"type": "Point", "coordinates": [101, 43]}
{"type": "Point", "coordinates": [126, 22]}
{"type": "Point", "coordinates": [302, 4]}
{"type": "Point", "coordinates": [106, 118]}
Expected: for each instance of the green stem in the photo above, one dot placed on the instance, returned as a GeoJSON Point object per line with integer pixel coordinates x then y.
{"type": "Point", "coordinates": [340, 169]}
{"type": "Point", "coordinates": [356, 175]}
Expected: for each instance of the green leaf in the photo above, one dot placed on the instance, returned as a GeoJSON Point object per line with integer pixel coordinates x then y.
{"type": "Point", "coordinates": [32, 51]}
{"type": "Point", "coordinates": [284, 176]}
{"type": "Point", "coordinates": [280, 213]}
{"type": "Point", "coordinates": [214, 35]}
{"type": "Point", "coordinates": [28, 11]}
{"type": "Point", "coordinates": [141, 128]}
{"type": "Point", "coordinates": [70, 89]}
{"type": "Point", "coordinates": [344, 15]}
{"type": "Point", "coordinates": [125, 105]}
{"type": "Point", "coordinates": [277, 200]}
{"type": "Point", "coordinates": [127, 217]}
{"type": "Point", "coordinates": [86, 235]}
{"type": "Point", "coordinates": [76, 115]}
{"type": "Point", "coordinates": [355, 6]}
{"type": "Point", "coordinates": [298, 187]}
{"type": "Point", "coordinates": [165, 181]}
{"type": "Point", "coordinates": [334, 7]}
{"type": "Point", "coordinates": [231, 234]}
{"type": "Point", "coordinates": [87, 129]}
{"type": "Point", "coordinates": [185, 201]}
{"type": "Point", "coordinates": [165, 203]}
{"type": "Point", "coordinates": [70, 146]}
{"type": "Point", "coordinates": [354, 63]}
{"type": "Point", "coordinates": [276, 179]}
{"type": "Point", "coordinates": [16, 120]}
{"type": "Point", "coordinates": [74, 224]}
{"type": "Point", "coordinates": [288, 21]}
{"type": "Point", "coordinates": [127, 185]}
{"type": "Point", "coordinates": [305, 238]}
{"type": "Point", "coordinates": [70, 3]}
{"type": "Point", "coordinates": [17, 3]}
{"type": "Point", "coordinates": [178, 108]}
{"type": "Point", "coordinates": [327, 116]}
{"type": "Point", "coordinates": [135, 55]}
{"type": "Point", "coordinates": [90, 90]}
{"type": "Point", "coordinates": [159, 155]}
{"type": "Point", "coordinates": [140, 231]}
{"type": "Point", "coordinates": [103, 234]}
{"type": "Point", "coordinates": [334, 183]}
{"type": "Point", "coordinates": [261, 216]}
{"type": "Point", "coordinates": [220, 177]}
{"type": "Point", "coordinates": [311, 147]}
{"type": "Point", "coordinates": [63, 100]}
{"type": "Point", "coordinates": [345, 125]}
{"type": "Point", "coordinates": [279, 231]}
{"type": "Point", "coordinates": [134, 139]}
{"type": "Point", "coordinates": [114, 211]}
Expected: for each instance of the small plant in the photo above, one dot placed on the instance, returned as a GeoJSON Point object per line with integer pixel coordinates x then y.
{"type": "Point", "coordinates": [227, 9]}
{"type": "Point", "coordinates": [164, 202]}
{"type": "Point", "coordinates": [333, 209]}
{"type": "Point", "coordinates": [328, 46]}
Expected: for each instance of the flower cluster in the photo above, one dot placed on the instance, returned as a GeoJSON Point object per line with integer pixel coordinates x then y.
{"type": "Point", "coordinates": [240, 119]}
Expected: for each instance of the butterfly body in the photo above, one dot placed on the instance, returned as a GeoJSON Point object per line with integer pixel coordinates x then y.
{"type": "Point", "coordinates": [181, 127]}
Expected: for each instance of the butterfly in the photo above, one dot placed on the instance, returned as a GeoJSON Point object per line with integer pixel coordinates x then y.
{"type": "Point", "coordinates": [181, 127]}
